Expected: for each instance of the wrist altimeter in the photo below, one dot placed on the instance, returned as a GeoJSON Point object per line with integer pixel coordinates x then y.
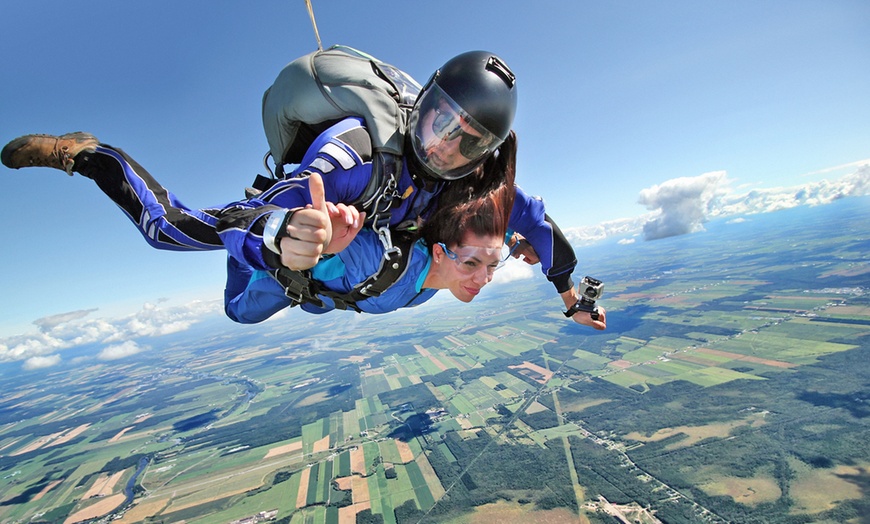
{"type": "Point", "coordinates": [276, 229]}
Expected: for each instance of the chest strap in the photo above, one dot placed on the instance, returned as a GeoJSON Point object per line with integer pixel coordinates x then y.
{"type": "Point", "coordinates": [302, 289]}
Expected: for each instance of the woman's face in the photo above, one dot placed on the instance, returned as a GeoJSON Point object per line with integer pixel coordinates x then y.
{"type": "Point", "coordinates": [466, 268]}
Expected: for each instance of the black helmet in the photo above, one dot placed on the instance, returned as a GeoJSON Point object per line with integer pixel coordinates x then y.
{"type": "Point", "coordinates": [462, 115]}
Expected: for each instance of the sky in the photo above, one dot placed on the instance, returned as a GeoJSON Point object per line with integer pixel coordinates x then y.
{"type": "Point", "coordinates": [635, 119]}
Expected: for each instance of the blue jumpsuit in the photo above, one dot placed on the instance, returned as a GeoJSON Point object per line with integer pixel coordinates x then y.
{"type": "Point", "coordinates": [253, 295]}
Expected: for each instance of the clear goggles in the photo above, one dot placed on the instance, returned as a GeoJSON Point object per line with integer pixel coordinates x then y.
{"type": "Point", "coordinates": [449, 122]}
{"type": "Point", "coordinates": [470, 259]}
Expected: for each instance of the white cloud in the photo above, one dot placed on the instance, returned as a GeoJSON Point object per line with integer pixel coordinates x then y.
{"type": "Point", "coordinates": [122, 350]}
{"type": "Point", "coordinates": [587, 235]}
{"type": "Point", "coordinates": [684, 204]}
{"type": "Point", "coordinates": [75, 329]}
{"type": "Point", "coordinates": [810, 194]}
{"type": "Point", "coordinates": [41, 362]}
{"type": "Point", "coordinates": [48, 323]}
{"type": "Point", "coordinates": [859, 164]}
{"type": "Point", "coordinates": [21, 347]}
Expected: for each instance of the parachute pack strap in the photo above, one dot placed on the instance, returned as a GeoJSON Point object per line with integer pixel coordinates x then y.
{"type": "Point", "coordinates": [266, 164]}
{"type": "Point", "coordinates": [406, 88]}
{"type": "Point", "coordinates": [318, 81]}
{"type": "Point", "coordinates": [340, 301]}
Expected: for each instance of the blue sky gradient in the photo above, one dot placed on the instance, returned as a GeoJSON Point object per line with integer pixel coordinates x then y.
{"type": "Point", "coordinates": [614, 98]}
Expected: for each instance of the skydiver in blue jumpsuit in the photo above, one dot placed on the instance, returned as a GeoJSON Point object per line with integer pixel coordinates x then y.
{"type": "Point", "coordinates": [343, 156]}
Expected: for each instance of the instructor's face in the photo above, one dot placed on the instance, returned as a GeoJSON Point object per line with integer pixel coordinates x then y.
{"type": "Point", "coordinates": [443, 133]}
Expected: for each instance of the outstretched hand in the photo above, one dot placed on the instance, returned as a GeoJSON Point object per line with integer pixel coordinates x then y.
{"type": "Point", "coordinates": [570, 297]}
{"type": "Point", "coordinates": [321, 227]}
{"type": "Point", "coordinates": [584, 318]}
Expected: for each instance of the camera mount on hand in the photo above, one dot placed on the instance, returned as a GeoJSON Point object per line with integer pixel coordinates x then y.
{"type": "Point", "coordinates": [590, 290]}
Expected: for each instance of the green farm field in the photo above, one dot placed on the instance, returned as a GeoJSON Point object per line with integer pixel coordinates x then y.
{"type": "Point", "coordinates": [729, 385]}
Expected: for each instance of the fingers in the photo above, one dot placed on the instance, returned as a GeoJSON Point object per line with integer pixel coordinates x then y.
{"type": "Point", "coordinates": [309, 225]}
{"type": "Point", "coordinates": [601, 323]}
{"type": "Point", "coordinates": [318, 195]}
{"type": "Point", "coordinates": [299, 255]}
{"type": "Point", "coordinates": [318, 228]}
{"type": "Point", "coordinates": [352, 216]}
{"type": "Point", "coordinates": [527, 252]}
{"type": "Point", "coordinates": [342, 214]}
{"type": "Point", "coordinates": [312, 224]}
{"type": "Point", "coordinates": [584, 318]}
{"type": "Point", "coordinates": [343, 235]}
{"type": "Point", "coordinates": [357, 223]}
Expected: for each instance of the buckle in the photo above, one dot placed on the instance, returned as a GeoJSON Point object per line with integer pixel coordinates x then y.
{"type": "Point", "coordinates": [368, 291]}
{"type": "Point", "coordinates": [391, 252]}
{"type": "Point", "coordinates": [293, 291]}
{"type": "Point", "coordinates": [298, 287]}
{"type": "Point", "coordinates": [383, 203]}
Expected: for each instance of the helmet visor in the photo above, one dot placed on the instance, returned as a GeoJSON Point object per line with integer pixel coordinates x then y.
{"type": "Point", "coordinates": [449, 142]}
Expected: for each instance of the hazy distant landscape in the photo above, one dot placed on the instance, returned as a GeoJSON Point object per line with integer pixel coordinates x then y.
{"type": "Point", "coordinates": [730, 386]}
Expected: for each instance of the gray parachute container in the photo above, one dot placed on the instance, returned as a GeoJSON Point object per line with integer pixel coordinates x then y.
{"type": "Point", "coordinates": [320, 88]}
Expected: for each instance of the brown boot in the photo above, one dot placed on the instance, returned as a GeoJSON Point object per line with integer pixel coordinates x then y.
{"type": "Point", "coordinates": [47, 150]}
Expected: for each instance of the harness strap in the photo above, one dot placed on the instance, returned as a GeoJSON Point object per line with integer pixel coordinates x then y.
{"type": "Point", "coordinates": [302, 289]}
{"type": "Point", "coordinates": [393, 265]}
{"type": "Point", "coordinates": [298, 286]}
{"type": "Point", "coordinates": [381, 194]}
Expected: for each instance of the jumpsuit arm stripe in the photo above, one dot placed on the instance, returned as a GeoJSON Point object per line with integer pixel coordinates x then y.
{"type": "Point", "coordinates": [563, 260]}
{"type": "Point", "coordinates": [557, 257]}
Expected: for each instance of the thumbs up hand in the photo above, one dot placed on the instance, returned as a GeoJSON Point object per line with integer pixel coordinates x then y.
{"type": "Point", "coordinates": [321, 227]}
{"type": "Point", "coordinates": [344, 221]}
